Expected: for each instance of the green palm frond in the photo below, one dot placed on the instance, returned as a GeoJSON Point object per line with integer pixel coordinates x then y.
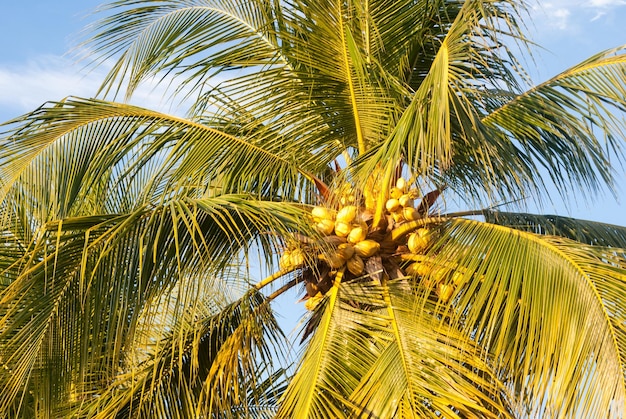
{"type": "Point", "coordinates": [423, 133]}
{"type": "Point", "coordinates": [221, 368]}
{"type": "Point", "coordinates": [314, 391]}
{"type": "Point", "coordinates": [121, 140]}
{"type": "Point", "coordinates": [440, 129]}
{"type": "Point", "coordinates": [532, 303]}
{"type": "Point", "coordinates": [376, 352]}
{"type": "Point", "coordinates": [554, 124]}
{"type": "Point", "coordinates": [196, 38]}
{"type": "Point", "coordinates": [425, 369]}
{"type": "Point", "coordinates": [589, 232]}
{"type": "Point", "coordinates": [88, 268]}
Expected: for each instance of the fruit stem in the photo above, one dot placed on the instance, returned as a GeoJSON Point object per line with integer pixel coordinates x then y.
{"type": "Point", "coordinates": [273, 277]}
{"type": "Point", "coordinates": [382, 199]}
{"type": "Point", "coordinates": [282, 289]}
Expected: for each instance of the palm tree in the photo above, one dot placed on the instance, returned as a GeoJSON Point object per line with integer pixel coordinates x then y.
{"type": "Point", "coordinates": [356, 152]}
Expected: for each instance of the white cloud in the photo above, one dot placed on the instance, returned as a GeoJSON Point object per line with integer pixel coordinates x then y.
{"type": "Point", "coordinates": [563, 14]}
{"type": "Point", "coordinates": [552, 14]}
{"type": "Point", "coordinates": [605, 3]}
{"type": "Point", "coordinates": [27, 86]}
{"type": "Point", "coordinates": [24, 87]}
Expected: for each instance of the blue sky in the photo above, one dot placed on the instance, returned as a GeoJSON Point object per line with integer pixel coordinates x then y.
{"type": "Point", "coordinates": [36, 36]}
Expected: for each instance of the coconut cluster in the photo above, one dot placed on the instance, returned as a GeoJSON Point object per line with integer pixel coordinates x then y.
{"type": "Point", "coordinates": [351, 243]}
{"type": "Point", "coordinates": [400, 204]}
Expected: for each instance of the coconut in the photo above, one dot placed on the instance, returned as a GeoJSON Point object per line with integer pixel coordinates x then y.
{"type": "Point", "coordinates": [325, 226]}
{"type": "Point", "coordinates": [395, 193]}
{"type": "Point", "coordinates": [357, 234]}
{"type": "Point", "coordinates": [345, 250]}
{"type": "Point", "coordinates": [406, 200]}
{"type": "Point", "coordinates": [418, 269]}
{"type": "Point", "coordinates": [410, 213]}
{"type": "Point", "coordinates": [401, 184]}
{"type": "Point", "coordinates": [322, 213]}
{"type": "Point", "coordinates": [346, 214]}
{"type": "Point", "coordinates": [458, 278]}
{"type": "Point", "coordinates": [366, 248]}
{"type": "Point", "coordinates": [297, 257]}
{"type": "Point", "coordinates": [334, 260]}
{"type": "Point", "coordinates": [312, 302]}
{"type": "Point", "coordinates": [445, 291]}
{"type": "Point", "coordinates": [342, 229]}
{"type": "Point", "coordinates": [393, 205]}
{"type": "Point", "coordinates": [418, 241]}
{"type": "Point", "coordinates": [285, 260]}
{"type": "Point", "coordinates": [355, 265]}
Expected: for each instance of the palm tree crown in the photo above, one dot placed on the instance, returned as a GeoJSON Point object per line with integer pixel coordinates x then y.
{"type": "Point", "coordinates": [352, 150]}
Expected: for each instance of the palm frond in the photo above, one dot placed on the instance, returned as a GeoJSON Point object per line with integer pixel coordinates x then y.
{"type": "Point", "coordinates": [197, 39]}
{"type": "Point", "coordinates": [222, 355]}
{"type": "Point", "coordinates": [424, 368]}
{"type": "Point", "coordinates": [377, 353]}
{"type": "Point", "coordinates": [589, 232]}
{"type": "Point", "coordinates": [315, 389]}
{"type": "Point", "coordinates": [558, 124]}
{"type": "Point", "coordinates": [531, 302]}
{"type": "Point", "coordinates": [444, 110]}
{"type": "Point", "coordinates": [72, 285]}
{"type": "Point", "coordinates": [74, 144]}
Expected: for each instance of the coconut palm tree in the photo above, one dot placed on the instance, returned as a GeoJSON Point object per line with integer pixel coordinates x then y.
{"type": "Point", "coordinates": [369, 155]}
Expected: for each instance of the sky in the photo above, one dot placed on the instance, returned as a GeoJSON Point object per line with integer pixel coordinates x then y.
{"type": "Point", "coordinates": [36, 64]}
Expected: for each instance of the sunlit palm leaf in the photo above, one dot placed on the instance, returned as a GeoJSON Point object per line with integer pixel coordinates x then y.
{"type": "Point", "coordinates": [88, 268]}
{"type": "Point", "coordinates": [533, 305]}
{"type": "Point", "coordinates": [315, 391]}
{"type": "Point", "coordinates": [381, 354]}
{"type": "Point", "coordinates": [567, 146]}
{"type": "Point", "coordinates": [222, 355]}
{"type": "Point", "coordinates": [444, 111]}
{"type": "Point", "coordinates": [125, 138]}
{"type": "Point", "coordinates": [423, 368]}
{"type": "Point", "coordinates": [198, 38]}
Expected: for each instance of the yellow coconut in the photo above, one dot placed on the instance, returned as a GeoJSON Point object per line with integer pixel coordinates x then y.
{"type": "Point", "coordinates": [355, 265]}
{"type": "Point", "coordinates": [325, 226]}
{"type": "Point", "coordinates": [297, 257]}
{"type": "Point", "coordinates": [333, 259]}
{"type": "Point", "coordinates": [445, 291]}
{"type": "Point", "coordinates": [366, 248]}
{"type": "Point", "coordinates": [401, 184]}
{"type": "Point", "coordinates": [418, 241]}
{"type": "Point", "coordinates": [285, 260]}
{"type": "Point", "coordinates": [342, 229]}
{"type": "Point", "coordinates": [346, 214]}
{"type": "Point", "coordinates": [345, 250]}
{"type": "Point", "coordinates": [393, 205]}
{"type": "Point", "coordinates": [312, 302]}
{"type": "Point", "coordinates": [439, 274]}
{"type": "Point", "coordinates": [357, 234]}
{"type": "Point", "coordinates": [418, 269]}
{"type": "Point", "coordinates": [406, 200]}
{"type": "Point", "coordinates": [395, 193]}
{"type": "Point", "coordinates": [322, 213]}
{"type": "Point", "coordinates": [458, 278]}
{"type": "Point", "coordinates": [410, 213]}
